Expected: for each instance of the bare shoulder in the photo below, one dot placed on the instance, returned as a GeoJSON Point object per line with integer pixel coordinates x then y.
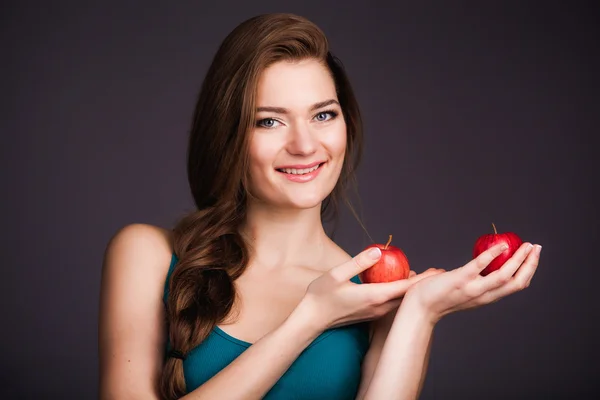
{"type": "Point", "coordinates": [136, 261]}
{"type": "Point", "coordinates": [131, 320]}
{"type": "Point", "coordinates": [140, 242]}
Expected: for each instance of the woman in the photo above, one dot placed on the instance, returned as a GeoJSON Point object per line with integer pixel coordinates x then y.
{"type": "Point", "coordinates": [248, 297]}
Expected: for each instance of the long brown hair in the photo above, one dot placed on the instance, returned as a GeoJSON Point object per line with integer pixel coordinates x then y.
{"type": "Point", "coordinates": [210, 250]}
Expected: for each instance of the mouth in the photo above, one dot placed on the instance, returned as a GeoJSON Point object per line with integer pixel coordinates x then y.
{"type": "Point", "coordinates": [301, 175]}
{"type": "Point", "coordinates": [300, 171]}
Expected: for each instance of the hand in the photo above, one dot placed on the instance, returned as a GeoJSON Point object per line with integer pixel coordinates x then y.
{"type": "Point", "coordinates": [464, 288]}
{"type": "Point", "coordinates": [334, 300]}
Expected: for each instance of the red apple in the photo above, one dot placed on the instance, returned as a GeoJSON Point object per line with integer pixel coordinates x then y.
{"type": "Point", "coordinates": [392, 266]}
{"type": "Point", "coordinates": [486, 241]}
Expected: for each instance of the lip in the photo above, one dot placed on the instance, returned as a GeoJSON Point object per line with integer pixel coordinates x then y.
{"type": "Point", "coordinates": [300, 166]}
{"type": "Point", "coordinates": [305, 177]}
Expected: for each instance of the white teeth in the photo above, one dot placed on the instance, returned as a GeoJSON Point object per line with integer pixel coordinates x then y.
{"type": "Point", "coordinates": [295, 171]}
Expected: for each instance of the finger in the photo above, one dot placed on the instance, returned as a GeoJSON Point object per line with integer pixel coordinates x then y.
{"type": "Point", "coordinates": [526, 272]}
{"type": "Point", "coordinates": [478, 264]}
{"type": "Point", "coordinates": [411, 273]}
{"type": "Point", "coordinates": [505, 274]}
{"type": "Point", "coordinates": [385, 291]}
{"type": "Point", "coordinates": [538, 250]}
{"type": "Point", "coordinates": [516, 283]}
{"type": "Point", "coordinates": [363, 260]}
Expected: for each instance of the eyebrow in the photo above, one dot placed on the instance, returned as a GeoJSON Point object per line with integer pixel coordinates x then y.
{"type": "Point", "coordinates": [281, 110]}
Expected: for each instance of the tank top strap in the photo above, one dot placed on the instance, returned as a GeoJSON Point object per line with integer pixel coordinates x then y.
{"type": "Point", "coordinates": [168, 278]}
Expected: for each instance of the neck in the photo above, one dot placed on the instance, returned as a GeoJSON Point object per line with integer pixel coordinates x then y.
{"type": "Point", "coordinates": [282, 237]}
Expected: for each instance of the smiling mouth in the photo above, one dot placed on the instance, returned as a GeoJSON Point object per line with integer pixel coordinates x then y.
{"type": "Point", "coordinates": [294, 171]}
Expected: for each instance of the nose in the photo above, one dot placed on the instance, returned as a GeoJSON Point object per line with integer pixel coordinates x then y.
{"type": "Point", "coordinates": [302, 140]}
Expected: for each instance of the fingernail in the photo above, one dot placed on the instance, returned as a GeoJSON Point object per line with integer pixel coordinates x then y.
{"type": "Point", "coordinates": [504, 247]}
{"type": "Point", "coordinates": [538, 248]}
{"type": "Point", "coordinates": [528, 248]}
{"type": "Point", "coordinates": [374, 253]}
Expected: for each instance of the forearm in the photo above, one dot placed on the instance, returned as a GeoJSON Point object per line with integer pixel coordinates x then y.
{"type": "Point", "coordinates": [400, 371]}
{"type": "Point", "coordinates": [425, 365]}
{"type": "Point", "coordinates": [256, 370]}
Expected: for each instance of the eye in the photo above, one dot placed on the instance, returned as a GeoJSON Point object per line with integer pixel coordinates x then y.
{"type": "Point", "coordinates": [323, 116]}
{"type": "Point", "coordinates": [267, 123]}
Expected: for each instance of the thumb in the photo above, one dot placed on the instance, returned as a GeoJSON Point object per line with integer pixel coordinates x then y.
{"type": "Point", "coordinates": [363, 260]}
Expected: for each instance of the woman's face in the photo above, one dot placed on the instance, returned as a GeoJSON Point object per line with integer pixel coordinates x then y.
{"type": "Point", "coordinates": [298, 141]}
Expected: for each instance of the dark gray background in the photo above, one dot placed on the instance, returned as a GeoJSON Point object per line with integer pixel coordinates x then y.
{"type": "Point", "coordinates": [474, 114]}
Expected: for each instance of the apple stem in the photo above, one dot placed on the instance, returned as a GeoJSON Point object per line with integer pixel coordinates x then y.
{"type": "Point", "coordinates": [495, 231]}
{"type": "Point", "coordinates": [388, 243]}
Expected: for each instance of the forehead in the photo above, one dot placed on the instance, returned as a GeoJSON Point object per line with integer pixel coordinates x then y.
{"type": "Point", "coordinates": [297, 84]}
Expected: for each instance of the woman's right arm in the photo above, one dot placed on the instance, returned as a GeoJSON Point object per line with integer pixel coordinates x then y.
{"type": "Point", "coordinates": [132, 332]}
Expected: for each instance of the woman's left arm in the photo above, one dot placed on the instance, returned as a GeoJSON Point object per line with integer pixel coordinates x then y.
{"type": "Point", "coordinates": [381, 328]}
{"type": "Point", "coordinates": [402, 365]}
{"type": "Point", "coordinates": [400, 370]}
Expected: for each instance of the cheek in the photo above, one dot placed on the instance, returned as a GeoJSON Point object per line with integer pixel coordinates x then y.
{"type": "Point", "coordinates": [263, 152]}
{"type": "Point", "coordinates": [336, 142]}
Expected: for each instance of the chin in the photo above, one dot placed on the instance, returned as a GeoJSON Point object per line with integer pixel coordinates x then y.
{"type": "Point", "coordinates": [305, 202]}
{"type": "Point", "coordinates": [306, 197]}
{"type": "Point", "coordinates": [300, 200]}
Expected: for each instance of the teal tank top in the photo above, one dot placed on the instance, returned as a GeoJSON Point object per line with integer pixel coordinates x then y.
{"type": "Point", "coordinates": [329, 368]}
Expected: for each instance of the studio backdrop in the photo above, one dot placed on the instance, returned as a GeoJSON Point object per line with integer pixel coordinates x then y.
{"type": "Point", "coordinates": [475, 113]}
